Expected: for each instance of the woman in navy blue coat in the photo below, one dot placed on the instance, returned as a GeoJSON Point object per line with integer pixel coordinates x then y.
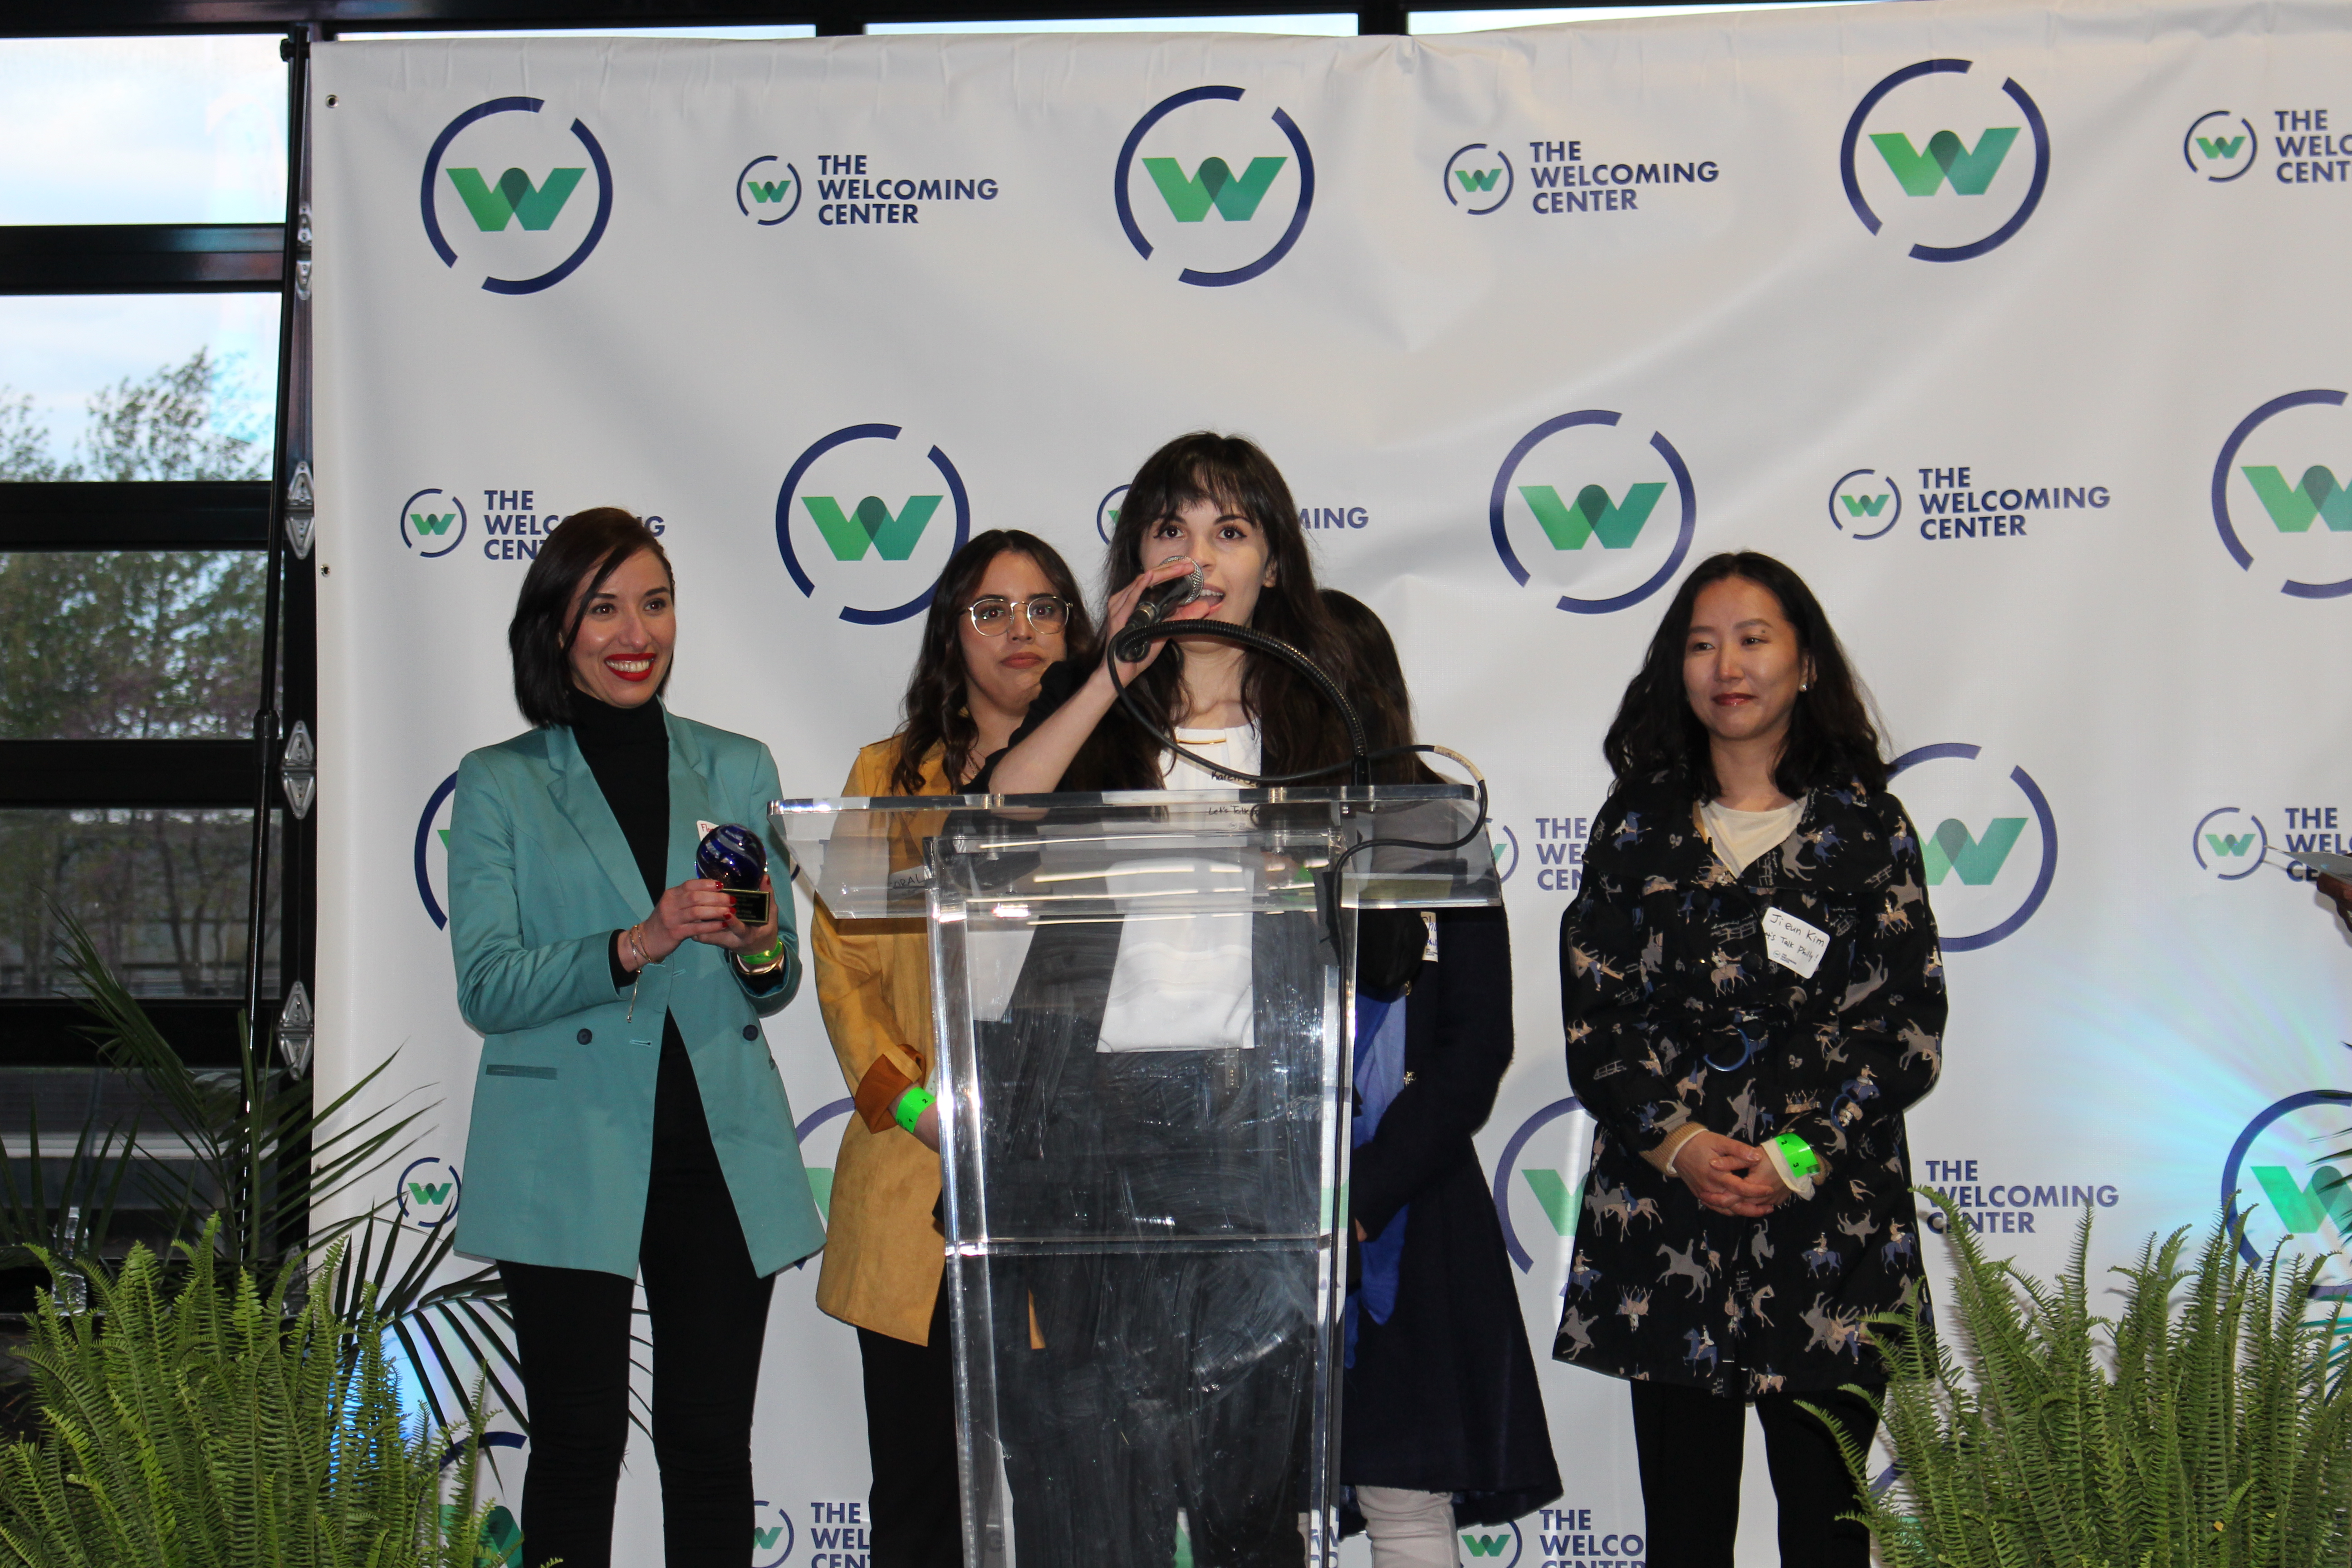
{"type": "Point", "coordinates": [1442, 1422]}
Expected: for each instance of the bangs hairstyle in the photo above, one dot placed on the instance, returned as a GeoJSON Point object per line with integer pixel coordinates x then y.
{"type": "Point", "coordinates": [934, 712]}
{"type": "Point", "coordinates": [1296, 729]}
{"type": "Point", "coordinates": [1830, 736]}
{"type": "Point", "coordinates": [578, 554]}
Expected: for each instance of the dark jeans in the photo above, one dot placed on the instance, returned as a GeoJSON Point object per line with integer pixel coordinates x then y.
{"type": "Point", "coordinates": [710, 1319]}
{"type": "Point", "coordinates": [917, 1503]}
{"type": "Point", "coordinates": [1689, 1442]}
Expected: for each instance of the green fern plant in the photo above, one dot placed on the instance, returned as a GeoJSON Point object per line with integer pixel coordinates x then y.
{"type": "Point", "coordinates": [2198, 1427]}
{"type": "Point", "coordinates": [201, 1421]}
{"type": "Point", "coordinates": [266, 1161]}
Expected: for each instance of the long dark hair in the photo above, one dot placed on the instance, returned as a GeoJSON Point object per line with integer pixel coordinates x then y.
{"type": "Point", "coordinates": [934, 712]}
{"type": "Point", "coordinates": [573, 562]}
{"type": "Point", "coordinates": [1379, 693]}
{"type": "Point", "coordinates": [1296, 729]}
{"type": "Point", "coordinates": [1830, 736]}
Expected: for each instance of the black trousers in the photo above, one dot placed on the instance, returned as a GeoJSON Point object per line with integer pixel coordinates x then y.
{"type": "Point", "coordinates": [710, 1319]}
{"type": "Point", "coordinates": [915, 1504]}
{"type": "Point", "coordinates": [1689, 1442]}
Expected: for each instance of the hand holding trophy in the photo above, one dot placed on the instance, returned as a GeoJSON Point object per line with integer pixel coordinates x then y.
{"type": "Point", "coordinates": [733, 856]}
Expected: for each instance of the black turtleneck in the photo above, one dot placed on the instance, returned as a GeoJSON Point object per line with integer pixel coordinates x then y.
{"type": "Point", "coordinates": [628, 750]}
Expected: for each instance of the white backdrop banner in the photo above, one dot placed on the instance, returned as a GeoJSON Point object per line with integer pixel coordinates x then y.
{"type": "Point", "coordinates": [2017, 330]}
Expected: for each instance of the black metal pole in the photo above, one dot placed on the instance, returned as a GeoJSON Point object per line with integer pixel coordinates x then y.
{"type": "Point", "coordinates": [295, 50]}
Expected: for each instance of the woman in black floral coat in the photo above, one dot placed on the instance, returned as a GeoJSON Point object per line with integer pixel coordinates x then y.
{"type": "Point", "coordinates": [1754, 996]}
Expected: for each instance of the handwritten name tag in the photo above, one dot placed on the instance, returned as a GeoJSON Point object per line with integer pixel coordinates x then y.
{"type": "Point", "coordinates": [1792, 944]}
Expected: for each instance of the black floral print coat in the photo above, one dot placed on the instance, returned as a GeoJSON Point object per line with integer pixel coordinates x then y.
{"type": "Point", "coordinates": [1675, 1015]}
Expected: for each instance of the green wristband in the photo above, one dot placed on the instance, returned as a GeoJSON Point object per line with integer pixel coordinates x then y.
{"type": "Point", "coordinates": [762, 959]}
{"type": "Point", "coordinates": [911, 1106]}
{"type": "Point", "coordinates": [1802, 1160]}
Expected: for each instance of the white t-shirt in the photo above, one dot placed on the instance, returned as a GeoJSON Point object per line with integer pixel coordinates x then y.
{"type": "Point", "coordinates": [1182, 982]}
{"type": "Point", "coordinates": [1740, 837]}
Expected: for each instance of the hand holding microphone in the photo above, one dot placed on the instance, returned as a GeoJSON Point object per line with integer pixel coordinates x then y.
{"type": "Point", "coordinates": [1156, 594]}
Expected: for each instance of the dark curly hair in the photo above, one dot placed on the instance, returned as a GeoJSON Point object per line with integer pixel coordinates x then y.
{"type": "Point", "coordinates": [573, 562]}
{"type": "Point", "coordinates": [934, 712]}
{"type": "Point", "coordinates": [1296, 729]}
{"type": "Point", "coordinates": [1830, 736]}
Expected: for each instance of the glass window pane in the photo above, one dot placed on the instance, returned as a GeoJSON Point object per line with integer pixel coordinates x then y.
{"type": "Point", "coordinates": [182, 129]}
{"type": "Point", "coordinates": [161, 892]}
{"type": "Point", "coordinates": [1312, 24]}
{"type": "Point", "coordinates": [163, 644]}
{"type": "Point", "coordinates": [1433, 22]}
{"type": "Point", "coordinates": [65, 360]}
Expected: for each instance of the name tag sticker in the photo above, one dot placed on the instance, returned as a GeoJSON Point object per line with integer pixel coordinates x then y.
{"type": "Point", "coordinates": [1792, 944]}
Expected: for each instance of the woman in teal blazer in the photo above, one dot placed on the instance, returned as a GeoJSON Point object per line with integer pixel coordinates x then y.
{"type": "Point", "coordinates": [627, 1118]}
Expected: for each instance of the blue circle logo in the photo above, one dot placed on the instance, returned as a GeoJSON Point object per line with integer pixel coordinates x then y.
{"type": "Point", "coordinates": [1941, 171]}
{"type": "Point", "coordinates": [2209, 148]}
{"type": "Point", "coordinates": [432, 832]}
{"type": "Point", "coordinates": [1507, 853]}
{"type": "Point", "coordinates": [2234, 855]}
{"type": "Point", "coordinates": [771, 1534]}
{"type": "Point", "coordinates": [1596, 523]}
{"type": "Point", "coordinates": [2295, 1199]}
{"type": "Point", "coordinates": [1554, 1190]}
{"type": "Point", "coordinates": [514, 201]}
{"type": "Point", "coordinates": [1975, 848]}
{"type": "Point", "coordinates": [1860, 498]}
{"type": "Point", "coordinates": [428, 1193]}
{"type": "Point", "coordinates": [768, 190]}
{"type": "Point", "coordinates": [1489, 1543]}
{"type": "Point", "coordinates": [1106, 514]}
{"type": "Point", "coordinates": [1487, 182]}
{"type": "Point", "coordinates": [2281, 500]}
{"type": "Point", "coordinates": [1185, 187]}
{"type": "Point", "coordinates": [433, 522]}
{"type": "Point", "coordinates": [869, 540]}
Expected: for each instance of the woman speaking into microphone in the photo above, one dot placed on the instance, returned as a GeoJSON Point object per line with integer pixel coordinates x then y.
{"type": "Point", "coordinates": [627, 1116]}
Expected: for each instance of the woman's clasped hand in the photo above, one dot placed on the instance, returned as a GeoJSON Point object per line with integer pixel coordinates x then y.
{"type": "Point", "coordinates": [1728, 1176]}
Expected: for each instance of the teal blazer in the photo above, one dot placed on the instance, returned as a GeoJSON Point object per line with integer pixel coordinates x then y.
{"type": "Point", "coordinates": [562, 1140]}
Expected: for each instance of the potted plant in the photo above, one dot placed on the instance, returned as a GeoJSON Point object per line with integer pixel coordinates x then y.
{"type": "Point", "coordinates": [2207, 1423]}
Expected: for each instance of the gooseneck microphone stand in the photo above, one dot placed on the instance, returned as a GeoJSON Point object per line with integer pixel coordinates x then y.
{"type": "Point", "coordinates": [1131, 644]}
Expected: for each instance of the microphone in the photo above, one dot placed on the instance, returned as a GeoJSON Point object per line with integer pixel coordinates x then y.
{"type": "Point", "coordinates": [1172, 594]}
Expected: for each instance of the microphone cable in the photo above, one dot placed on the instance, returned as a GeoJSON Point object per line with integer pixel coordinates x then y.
{"type": "Point", "coordinates": [1130, 641]}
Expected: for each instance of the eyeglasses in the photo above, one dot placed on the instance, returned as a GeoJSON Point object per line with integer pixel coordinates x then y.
{"type": "Point", "coordinates": [993, 616]}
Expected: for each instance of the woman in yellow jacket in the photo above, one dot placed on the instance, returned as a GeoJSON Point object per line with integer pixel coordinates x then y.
{"type": "Point", "coordinates": [1006, 608]}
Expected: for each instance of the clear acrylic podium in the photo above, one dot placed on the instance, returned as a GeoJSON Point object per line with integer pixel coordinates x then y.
{"type": "Point", "coordinates": [1145, 1038]}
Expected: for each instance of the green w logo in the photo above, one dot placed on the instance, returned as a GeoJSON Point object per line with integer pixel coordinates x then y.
{"type": "Point", "coordinates": [1485, 1545]}
{"type": "Point", "coordinates": [1866, 506]}
{"type": "Point", "coordinates": [2222, 148]}
{"type": "Point", "coordinates": [1235, 199]}
{"type": "Point", "coordinates": [1560, 1202]}
{"type": "Point", "coordinates": [849, 534]}
{"type": "Point", "coordinates": [2228, 844]}
{"type": "Point", "coordinates": [1567, 527]}
{"type": "Point", "coordinates": [767, 1538]}
{"type": "Point", "coordinates": [1947, 157]}
{"type": "Point", "coordinates": [2299, 1209]}
{"type": "Point", "coordinates": [2318, 495]}
{"type": "Point", "coordinates": [768, 190]}
{"type": "Point", "coordinates": [432, 522]}
{"type": "Point", "coordinates": [1952, 848]}
{"type": "Point", "coordinates": [430, 1191]}
{"type": "Point", "coordinates": [1476, 180]}
{"type": "Point", "coordinates": [513, 197]}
